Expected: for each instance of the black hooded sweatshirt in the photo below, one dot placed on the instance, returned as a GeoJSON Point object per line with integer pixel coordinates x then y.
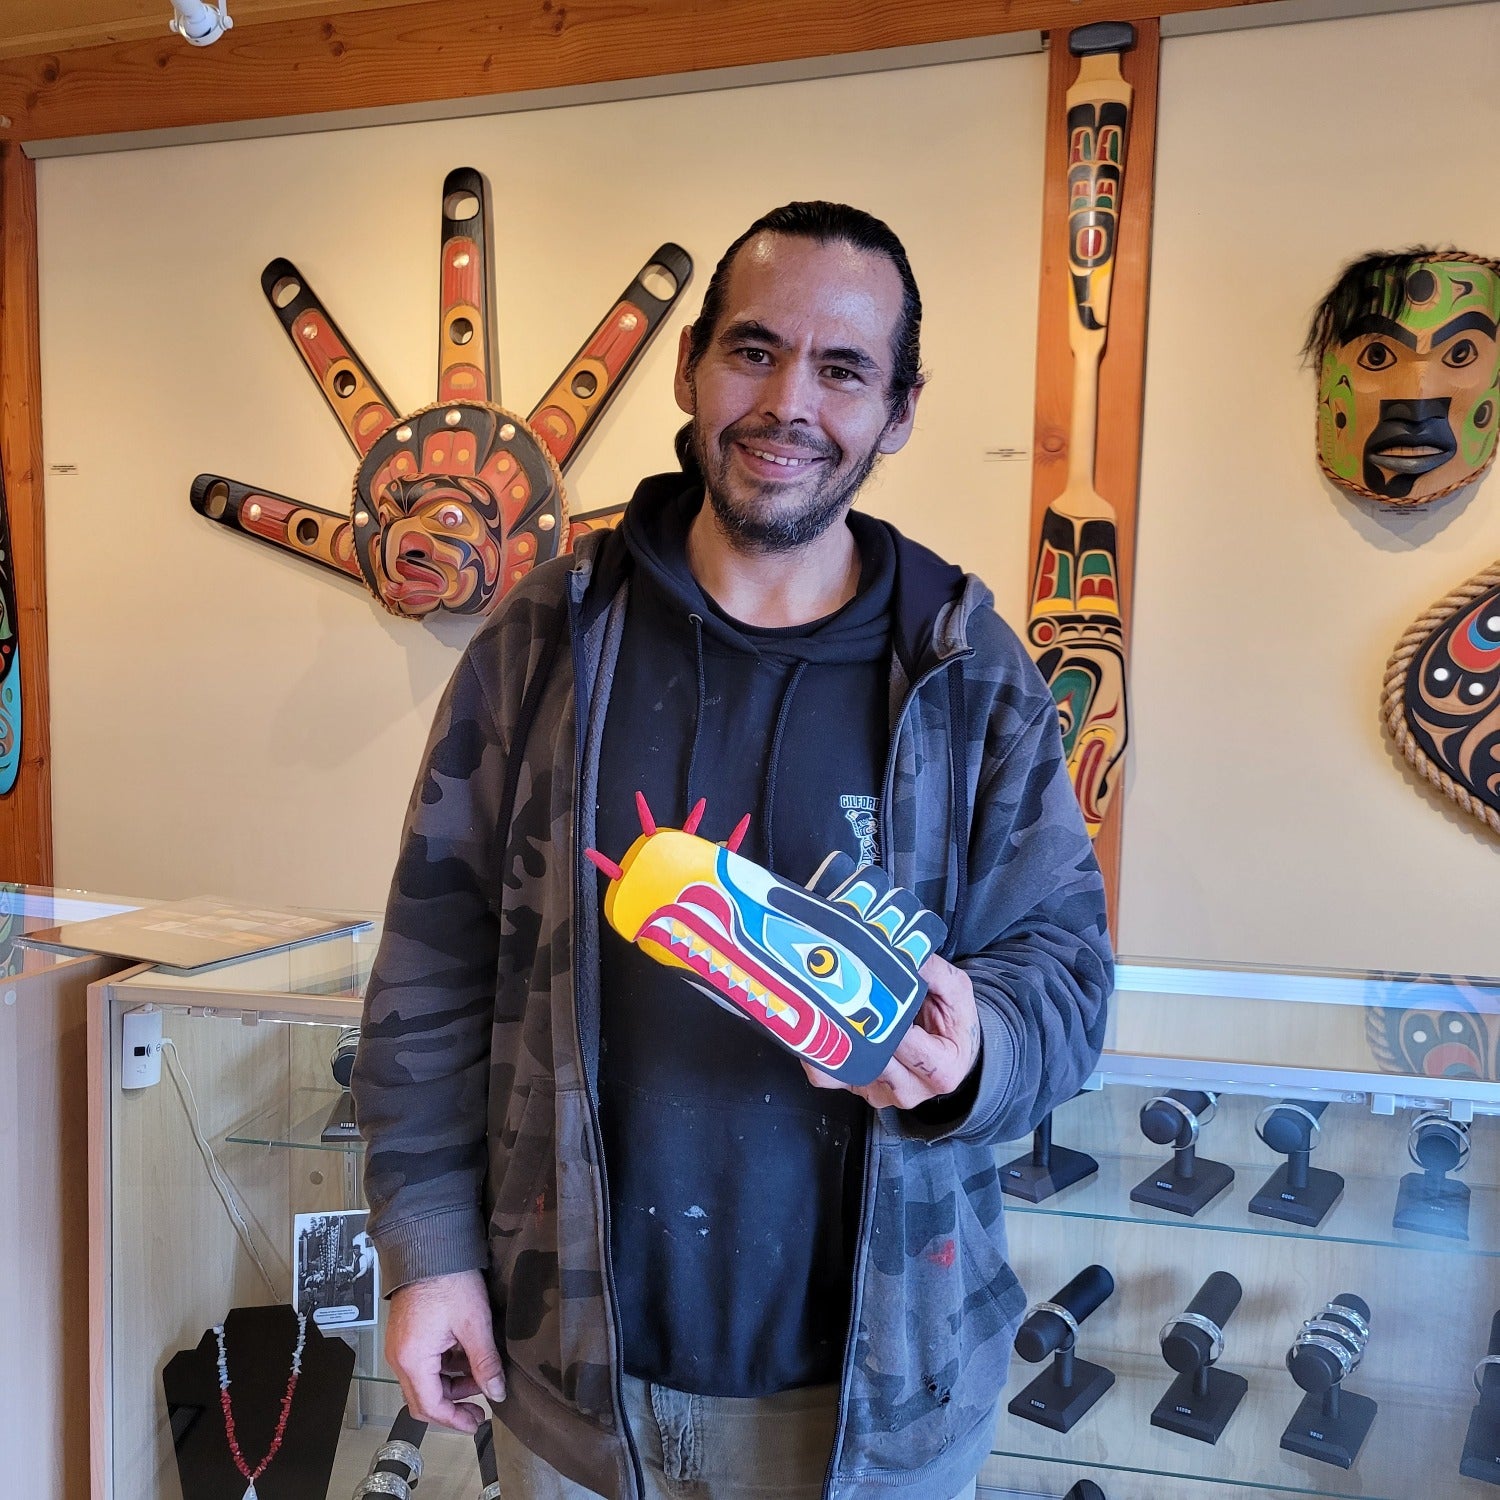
{"type": "Point", "coordinates": [734, 1185]}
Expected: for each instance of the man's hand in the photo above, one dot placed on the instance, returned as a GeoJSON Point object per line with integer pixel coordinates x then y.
{"type": "Point", "coordinates": [936, 1055]}
{"type": "Point", "coordinates": [440, 1341]}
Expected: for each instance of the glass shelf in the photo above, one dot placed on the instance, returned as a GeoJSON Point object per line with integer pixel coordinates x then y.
{"type": "Point", "coordinates": [1248, 1457]}
{"type": "Point", "coordinates": [1361, 1217]}
{"type": "Point", "coordinates": [294, 1123]}
{"type": "Point", "coordinates": [333, 967]}
{"type": "Point", "coordinates": [1270, 1030]}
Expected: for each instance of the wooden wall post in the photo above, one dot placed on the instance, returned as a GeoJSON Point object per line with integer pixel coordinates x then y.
{"type": "Point", "coordinates": [26, 813]}
{"type": "Point", "coordinates": [1117, 464]}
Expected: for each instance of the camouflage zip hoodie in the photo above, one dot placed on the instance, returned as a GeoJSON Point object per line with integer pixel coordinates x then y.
{"type": "Point", "coordinates": [476, 1083]}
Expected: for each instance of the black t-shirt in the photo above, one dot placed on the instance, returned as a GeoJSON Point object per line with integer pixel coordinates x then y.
{"type": "Point", "coordinates": [734, 1185]}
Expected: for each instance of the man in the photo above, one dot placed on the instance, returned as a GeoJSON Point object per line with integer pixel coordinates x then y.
{"type": "Point", "coordinates": [705, 1270]}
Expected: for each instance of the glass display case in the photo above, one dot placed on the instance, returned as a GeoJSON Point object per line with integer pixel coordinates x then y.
{"type": "Point", "coordinates": [250, 1069]}
{"type": "Point", "coordinates": [43, 1199]}
{"type": "Point", "coordinates": [1379, 1081]}
{"type": "Point", "coordinates": [1389, 1077]}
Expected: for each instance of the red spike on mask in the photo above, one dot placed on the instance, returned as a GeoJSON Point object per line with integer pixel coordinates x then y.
{"type": "Point", "coordinates": [738, 836]}
{"type": "Point", "coordinates": [695, 817]}
{"type": "Point", "coordinates": [604, 862]}
{"type": "Point", "coordinates": [648, 823]}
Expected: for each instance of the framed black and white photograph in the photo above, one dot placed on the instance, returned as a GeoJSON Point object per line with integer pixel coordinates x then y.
{"type": "Point", "coordinates": [338, 1274]}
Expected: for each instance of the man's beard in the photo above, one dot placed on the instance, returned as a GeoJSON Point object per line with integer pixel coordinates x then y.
{"type": "Point", "coordinates": [776, 529]}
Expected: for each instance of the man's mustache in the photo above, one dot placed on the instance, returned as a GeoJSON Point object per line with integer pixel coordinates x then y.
{"type": "Point", "coordinates": [784, 437]}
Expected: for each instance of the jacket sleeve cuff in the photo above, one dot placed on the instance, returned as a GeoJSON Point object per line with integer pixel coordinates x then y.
{"type": "Point", "coordinates": [978, 1101]}
{"type": "Point", "coordinates": [437, 1244]}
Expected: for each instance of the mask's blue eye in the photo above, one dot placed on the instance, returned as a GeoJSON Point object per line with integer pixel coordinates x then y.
{"type": "Point", "coordinates": [822, 962]}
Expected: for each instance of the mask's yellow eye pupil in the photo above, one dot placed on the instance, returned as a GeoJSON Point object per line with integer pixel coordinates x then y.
{"type": "Point", "coordinates": [821, 962]}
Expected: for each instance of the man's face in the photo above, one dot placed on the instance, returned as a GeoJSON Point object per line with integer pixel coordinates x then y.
{"type": "Point", "coordinates": [1407, 404]}
{"type": "Point", "coordinates": [790, 401]}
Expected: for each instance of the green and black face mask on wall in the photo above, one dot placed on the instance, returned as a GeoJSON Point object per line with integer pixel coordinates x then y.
{"type": "Point", "coordinates": [1409, 374]}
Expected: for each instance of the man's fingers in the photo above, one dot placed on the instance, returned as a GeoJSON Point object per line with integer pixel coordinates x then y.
{"type": "Point", "coordinates": [936, 970]}
{"type": "Point", "coordinates": [478, 1339]}
{"type": "Point", "coordinates": [422, 1387]}
{"type": "Point", "coordinates": [457, 1387]}
{"type": "Point", "coordinates": [926, 1055]}
{"type": "Point", "coordinates": [822, 1080]}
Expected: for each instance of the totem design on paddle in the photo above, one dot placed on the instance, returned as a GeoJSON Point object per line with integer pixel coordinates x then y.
{"type": "Point", "coordinates": [1075, 628]}
{"type": "Point", "coordinates": [829, 970]}
{"type": "Point", "coordinates": [455, 502]}
{"type": "Point", "coordinates": [1441, 701]}
{"type": "Point", "coordinates": [1408, 374]}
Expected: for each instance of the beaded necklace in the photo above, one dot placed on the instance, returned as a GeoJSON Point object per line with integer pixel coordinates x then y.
{"type": "Point", "coordinates": [251, 1475]}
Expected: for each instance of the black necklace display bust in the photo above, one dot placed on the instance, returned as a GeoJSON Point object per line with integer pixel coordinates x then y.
{"type": "Point", "coordinates": [259, 1345]}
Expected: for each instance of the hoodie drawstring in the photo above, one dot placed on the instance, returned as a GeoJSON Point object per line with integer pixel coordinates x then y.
{"type": "Point", "coordinates": [957, 759]}
{"type": "Point", "coordinates": [697, 621]}
{"type": "Point", "coordinates": [769, 793]}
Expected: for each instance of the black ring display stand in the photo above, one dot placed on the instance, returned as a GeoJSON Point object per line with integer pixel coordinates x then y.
{"type": "Point", "coordinates": [340, 1124]}
{"type": "Point", "coordinates": [1296, 1191]}
{"type": "Point", "coordinates": [258, 1344]}
{"type": "Point", "coordinates": [1047, 1169]}
{"type": "Point", "coordinates": [1202, 1399]}
{"type": "Point", "coordinates": [1064, 1391]}
{"type": "Point", "coordinates": [1188, 1183]}
{"type": "Point", "coordinates": [1331, 1423]}
{"type": "Point", "coordinates": [1481, 1457]}
{"type": "Point", "coordinates": [1430, 1201]}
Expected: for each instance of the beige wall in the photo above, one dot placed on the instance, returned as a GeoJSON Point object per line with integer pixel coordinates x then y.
{"type": "Point", "coordinates": [234, 721]}
{"type": "Point", "coordinates": [228, 720]}
{"type": "Point", "coordinates": [1266, 819]}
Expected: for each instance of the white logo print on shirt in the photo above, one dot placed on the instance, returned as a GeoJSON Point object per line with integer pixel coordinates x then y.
{"type": "Point", "coordinates": [863, 814]}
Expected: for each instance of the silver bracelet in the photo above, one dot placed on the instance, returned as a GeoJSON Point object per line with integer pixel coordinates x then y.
{"type": "Point", "coordinates": [1317, 1126]}
{"type": "Point", "coordinates": [399, 1451]}
{"type": "Point", "coordinates": [1339, 1351]}
{"type": "Point", "coordinates": [1194, 1123]}
{"type": "Point", "coordinates": [1333, 1329]}
{"type": "Point", "coordinates": [490, 1491]}
{"type": "Point", "coordinates": [1437, 1117]}
{"type": "Point", "coordinates": [382, 1484]}
{"type": "Point", "coordinates": [1355, 1320]}
{"type": "Point", "coordinates": [1060, 1311]}
{"type": "Point", "coordinates": [1203, 1325]}
{"type": "Point", "coordinates": [1489, 1359]}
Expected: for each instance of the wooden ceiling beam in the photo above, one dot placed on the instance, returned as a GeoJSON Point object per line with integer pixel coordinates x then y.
{"type": "Point", "coordinates": [471, 49]}
{"type": "Point", "coordinates": [30, 27]}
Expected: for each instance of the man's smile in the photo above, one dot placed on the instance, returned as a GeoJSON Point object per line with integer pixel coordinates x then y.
{"type": "Point", "coordinates": [767, 462]}
{"type": "Point", "coordinates": [777, 458]}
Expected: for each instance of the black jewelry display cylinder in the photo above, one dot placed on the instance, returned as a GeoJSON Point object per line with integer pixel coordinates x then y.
{"type": "Point", "coordinates": [1481, 1455]}
{"type": "Point", "coordinates": [1289, 1131]}
{"type": "Point", "coordinates": [1317, 1370]}
{"type": "Point", "coordinates": [1167, 1126]}
{"type": "Point", "coordinates": [1043, 1332]}
{"type": "Point", "coordinates": [1187, 1348]}
{"type": "Point", "coordinates": [1489, 1382]}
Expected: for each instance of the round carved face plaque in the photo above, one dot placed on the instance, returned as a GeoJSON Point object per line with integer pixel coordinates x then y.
{"type": "Point", "coordinates": [452, 507]}
{"type": "Point", "coordinates": [1409, 375]}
